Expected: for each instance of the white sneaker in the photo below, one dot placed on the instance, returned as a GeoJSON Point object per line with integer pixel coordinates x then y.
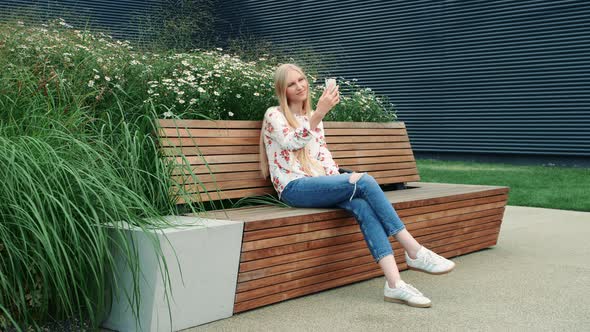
{"type": "Point", "coordinates": [406, 294]}
{"type": "Point", "coordinates": [429, 262]}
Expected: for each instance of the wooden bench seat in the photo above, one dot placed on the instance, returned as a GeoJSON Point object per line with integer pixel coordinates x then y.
{"type": "Point", "coordinates": [290, 252]}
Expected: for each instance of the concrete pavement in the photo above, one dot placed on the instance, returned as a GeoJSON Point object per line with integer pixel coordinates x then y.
{"type": "Point", "coordinates": [536, 279]}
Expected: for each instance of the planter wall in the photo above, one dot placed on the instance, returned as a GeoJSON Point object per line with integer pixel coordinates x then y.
{"type": "Point", "coordinates": [202, 257]}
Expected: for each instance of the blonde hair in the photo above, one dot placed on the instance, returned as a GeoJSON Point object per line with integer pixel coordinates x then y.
{"type": "Point", "coordinates": [302, 155]}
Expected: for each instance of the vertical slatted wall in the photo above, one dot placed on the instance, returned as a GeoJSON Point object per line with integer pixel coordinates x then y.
{"type": "Point", "coordinates": [508, 77]}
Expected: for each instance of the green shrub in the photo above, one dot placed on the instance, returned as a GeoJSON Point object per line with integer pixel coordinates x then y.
{"type": "Point", "coordinates": [102, 72]}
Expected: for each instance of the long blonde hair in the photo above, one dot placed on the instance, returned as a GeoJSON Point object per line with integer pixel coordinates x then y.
{"type": "Point", "coordinates": [302, 155]}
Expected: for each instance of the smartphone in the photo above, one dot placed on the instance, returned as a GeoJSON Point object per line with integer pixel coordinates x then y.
{"type": "Point", "coordinates": [330, 84]}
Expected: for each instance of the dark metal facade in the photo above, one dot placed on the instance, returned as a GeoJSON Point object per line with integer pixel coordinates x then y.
{"type": "Point", "coordinates": [467, 77]}
{"type": "Point", "coordinates": [487, 77]}
{"type": "Point", "coordinates": [119, 18]}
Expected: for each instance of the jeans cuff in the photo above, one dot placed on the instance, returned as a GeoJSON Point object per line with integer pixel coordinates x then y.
{"type": "Point", "coordinates": [395, 231]}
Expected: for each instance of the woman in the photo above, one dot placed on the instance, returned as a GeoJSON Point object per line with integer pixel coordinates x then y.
{"type": "Point", "coordinates": [294, 152]}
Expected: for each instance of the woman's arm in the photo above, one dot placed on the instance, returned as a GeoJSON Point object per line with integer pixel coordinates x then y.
{"type": "Point", "coordinates": [277, 128]}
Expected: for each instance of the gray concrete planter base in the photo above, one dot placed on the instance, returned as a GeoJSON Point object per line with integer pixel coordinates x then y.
{"type": "Point", "coordinates": [208, 253]}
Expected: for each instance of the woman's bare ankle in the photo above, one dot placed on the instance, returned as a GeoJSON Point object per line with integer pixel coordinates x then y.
{"type": "Point", "coordinates": [393, 282]}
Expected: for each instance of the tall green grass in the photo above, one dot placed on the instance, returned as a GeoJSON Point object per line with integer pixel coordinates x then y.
{"type": "Point", "coordinates": [59, 191]}
{"type": "Point", "coordinates": [72, 167]}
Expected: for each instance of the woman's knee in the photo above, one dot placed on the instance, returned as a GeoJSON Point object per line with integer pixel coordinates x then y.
{"type": "Point", "coordinates": [355, 177]}
{"type": "Point", "coordinates": [367, 180]}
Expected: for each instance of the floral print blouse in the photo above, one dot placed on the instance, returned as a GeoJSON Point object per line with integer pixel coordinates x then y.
{"type": "Point", "coordinates": [280, 141]}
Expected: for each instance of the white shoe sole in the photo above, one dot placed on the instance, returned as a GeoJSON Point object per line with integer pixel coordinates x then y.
{"type": "Point", "coordinates": [415, 305]}
{"type": "Point", "coordinates": [434, 273]}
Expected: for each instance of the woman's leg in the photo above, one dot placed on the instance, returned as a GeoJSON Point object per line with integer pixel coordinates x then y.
{"type": "Point", "coordinates": [375, 237]}
{"type": "Point", "coordinates": [336, 190]}
{"type": "Point", "coordinates": [369, 189]}
{"type": "Point", "coordinates": [376, 225]}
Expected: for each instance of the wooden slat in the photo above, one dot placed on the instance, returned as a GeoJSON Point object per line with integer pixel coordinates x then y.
{"type": "Point", "coordinates": [368, 146]}
{"type": "Point", "coordinates": [371, 153]}
{"type": "Point", "coordinates": [221, 159]}
{"type": "Point", "coordinates": [366, 139]}
{"type": "Point", "coordinates": [425, 210]}
{"type": "Point", "coordinates": [204, 178]}
{"type": "Point", "coordinates": [383, 167]}
{"type": "Point", "coordinates": [208, 141]}
{"type": "Point", "coordinates": [172, 123]}
{"type": "Point", "coordinates": [374, 160]}
{"type": "Point", "coordinates": [397, 179]}
{"type": "Point", "coordinates": [228, 194]}
{"type": "Point", "coordinates": [210, 150]}
{"type": "Point", "coordinates": [394, 173]}
{"type": "Point", "coordinates": [224, 185]}
{"type": "Point", "coordinates": [182, 132]}
{"type": "Point", "coordinates": [198, 160]}
{"type": "Point", "coordinates": [450, 212]}
{"type": "Point", "coordinates": [416, 197]}
{"type": "Point", "coordinates": [217, 168]}
{"type": "Point", "coordinates": [364, 132]}
{"type": "Point", "coordinates": [340, 124]}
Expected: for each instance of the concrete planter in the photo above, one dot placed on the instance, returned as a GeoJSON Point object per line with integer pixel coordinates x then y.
{"type": "Point", "coordinates": [203, 279]}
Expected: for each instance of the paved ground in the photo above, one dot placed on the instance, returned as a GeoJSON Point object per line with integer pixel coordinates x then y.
{"type": "Point", "coordinates": [536, 279]}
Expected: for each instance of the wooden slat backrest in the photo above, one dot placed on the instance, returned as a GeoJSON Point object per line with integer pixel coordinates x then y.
{"type": "Point", "coordinates": [223, 155]}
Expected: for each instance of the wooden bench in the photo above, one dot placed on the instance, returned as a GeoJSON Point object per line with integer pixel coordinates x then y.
{"type": "Point", "coordinates": [290, 252]}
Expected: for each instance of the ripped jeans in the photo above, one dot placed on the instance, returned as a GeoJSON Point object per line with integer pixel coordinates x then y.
{"type": "Point", "coordinates": [365, 199]}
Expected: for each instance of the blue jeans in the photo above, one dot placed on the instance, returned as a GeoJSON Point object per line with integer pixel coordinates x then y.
{"type": "Point", "coordinates": [365, 199]}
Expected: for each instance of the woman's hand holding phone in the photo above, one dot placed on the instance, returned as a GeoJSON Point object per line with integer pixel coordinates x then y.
{"type": "Point", "coordinates": [330, 97]}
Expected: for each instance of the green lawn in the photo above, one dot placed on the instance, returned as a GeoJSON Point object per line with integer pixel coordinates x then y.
{"type": "Point", "coordinates": [539, 186]}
